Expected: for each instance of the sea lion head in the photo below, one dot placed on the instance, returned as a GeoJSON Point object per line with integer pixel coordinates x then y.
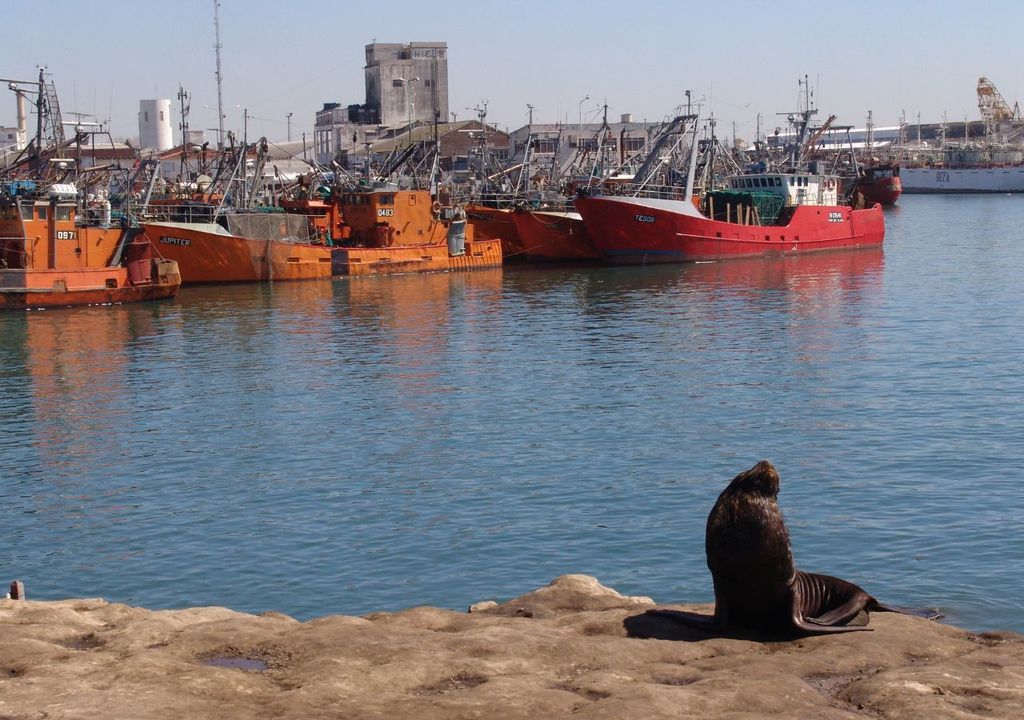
{"type": "Point", "coordinates": [762, 480]}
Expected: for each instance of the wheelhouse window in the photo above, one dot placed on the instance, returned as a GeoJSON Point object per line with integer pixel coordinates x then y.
{"type": "Point", "coordinates": [41, 212]}
{"type": "Point", "coordinates": [62, 212]}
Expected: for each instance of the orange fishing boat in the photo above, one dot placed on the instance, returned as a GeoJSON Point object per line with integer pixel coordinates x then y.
{"type": "Point", "coordinates": [49, 257]}
{"type": "Point", "coordinates": [403, 231]}
{"type": "Point", "coordinates": [243, 246]}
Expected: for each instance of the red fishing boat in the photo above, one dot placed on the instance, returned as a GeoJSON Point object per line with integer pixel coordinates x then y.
{"type": "Point", "coordinates": [49, 257]}
{"type": "Point", "coordinates": [762, 214]}
{"type": "Point", "coordinates": [554, 235]}
{"type": "Point", "coordinates": [877, 184]}
{"type": "Point", "coordinates": [497, 223]}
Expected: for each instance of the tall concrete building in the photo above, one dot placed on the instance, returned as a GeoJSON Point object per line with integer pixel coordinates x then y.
{"type": "Point", "coordinates": [407, 79]}
{"type": "Point", "coordinates": [402, 80]}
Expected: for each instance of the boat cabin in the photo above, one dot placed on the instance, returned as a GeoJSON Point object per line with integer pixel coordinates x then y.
{"type": "Point", "coordinates": [46, 231]}
{"type": "Point", "coordinates": [392, 217]}
{"type": "Point", "coordinates": [794, 188]}
{"type": "Point", "coordinates": [324, 219]}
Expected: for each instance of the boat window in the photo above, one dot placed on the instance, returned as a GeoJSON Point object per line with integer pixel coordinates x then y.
{"type": "Point", "coordinates": [41, 212]}
{"type": "Point", "coordinates": [387, 199]}
{"type": "Point", "coordinates": [761, 182]}
{"type": "Point", "coordinates": [778, 182]}
{"type": "Point", "coordinates": [26, 212]}
{"type": "Point", "coordinates": [63, 212]}
{"type": "Point", "coordinates": [792, 181]}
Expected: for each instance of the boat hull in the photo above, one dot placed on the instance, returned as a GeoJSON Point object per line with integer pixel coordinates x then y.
{"type": "Point", "coordinates": [881, 190]}
{"type": "Point", "coordinates": [416, 258]}
{"type": "Point", "coordinates": [206, 253]}
{"type": "Point", "coordinates": [554, 236]}
{"type": "Point", "coordinates": [27, 289]}
{"type": "Point", "coordinates": [491, 223]}
{"type": "Point", "coordinates": [962, 180]}
{"type": "Point", "coordinates": [643, 231]}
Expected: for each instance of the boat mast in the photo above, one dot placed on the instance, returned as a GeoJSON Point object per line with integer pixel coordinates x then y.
{"type": "Point", "coordinates": [220, 100]}
{"type": "Point", "coordinates": [524, 169]}
{"type": "Point", "coordinates": [39, 121]}
{"type": "Point", "coordinates": [692, 170]}
{"type": "Point", "coordinates": [481, 114]}
{"type": "Point", "coordinates": [185, 99]}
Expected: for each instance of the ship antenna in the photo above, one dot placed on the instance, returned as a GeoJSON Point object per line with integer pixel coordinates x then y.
{"type": "Point", "coordinates": [220, 100]}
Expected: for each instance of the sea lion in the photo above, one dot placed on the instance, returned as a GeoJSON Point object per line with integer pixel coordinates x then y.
{"type": "Point", "coordinates": [757, 585]}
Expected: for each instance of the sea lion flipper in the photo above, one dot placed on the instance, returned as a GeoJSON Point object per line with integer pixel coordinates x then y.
{"type": "Point", "coordinates": [926, 613]}
{"type": "Point", "coordinates": [844, 613]}
{"type": "Point", "coordinates": [813, 626]}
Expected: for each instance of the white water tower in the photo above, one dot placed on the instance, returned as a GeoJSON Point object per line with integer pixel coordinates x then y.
{"type": "Point", "coordinates": [155, 125]}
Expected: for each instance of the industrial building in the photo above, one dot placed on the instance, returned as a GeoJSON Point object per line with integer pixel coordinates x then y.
{"type": "Point", "coordinates": [406, 84]}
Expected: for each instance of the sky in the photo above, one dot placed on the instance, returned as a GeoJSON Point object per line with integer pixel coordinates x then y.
{"type": "Point", "coordinates": [741, 58]}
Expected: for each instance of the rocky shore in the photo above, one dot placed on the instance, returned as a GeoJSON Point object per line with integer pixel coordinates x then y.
{"type": "Point", "coordinates": [571, 649]}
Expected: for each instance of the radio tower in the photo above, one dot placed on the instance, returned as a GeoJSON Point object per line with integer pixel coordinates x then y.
{"type": "Point", "coordinates": [220, 101]}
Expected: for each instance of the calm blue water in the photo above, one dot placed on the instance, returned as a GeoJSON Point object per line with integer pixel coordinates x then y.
{"type": "Point", "coordinates": [369, 444]}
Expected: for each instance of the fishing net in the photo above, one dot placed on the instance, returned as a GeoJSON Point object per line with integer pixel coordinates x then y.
{"type": "Point", "coordinates": [270, 226]}
{"type": "Point", "coordinates": [732, 205]}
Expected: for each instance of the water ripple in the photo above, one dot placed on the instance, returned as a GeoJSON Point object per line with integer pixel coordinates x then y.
{"type": "Point", "coordinates": [377, 443]}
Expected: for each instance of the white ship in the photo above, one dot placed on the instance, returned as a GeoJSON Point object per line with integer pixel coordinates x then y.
{"type": "Point", "coordinates": [959, 169]}
{"type": "Point", "coordinates": [994, 164]}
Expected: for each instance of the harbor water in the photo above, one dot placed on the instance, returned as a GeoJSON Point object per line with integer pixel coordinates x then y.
{"type": "Point", "coordinates": [369, 444]}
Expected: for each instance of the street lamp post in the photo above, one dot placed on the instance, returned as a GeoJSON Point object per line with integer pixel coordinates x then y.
{"type": "Point", "coordinates": [288, 117]}
{"type": "Point", "coordinates": [580, 139]}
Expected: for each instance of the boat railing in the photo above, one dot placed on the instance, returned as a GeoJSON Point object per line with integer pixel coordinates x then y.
{"type": "Point", "coordinates": [184, 212]}
{"type": "Point", "coordinates": [659, 192]}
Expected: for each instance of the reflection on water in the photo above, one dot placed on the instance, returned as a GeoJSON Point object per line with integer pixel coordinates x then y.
{"type": "Point", "coordinates": [379, 443]}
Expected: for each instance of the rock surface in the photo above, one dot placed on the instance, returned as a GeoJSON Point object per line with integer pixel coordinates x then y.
{"type": "Point", "coordinates": [562, 651]}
